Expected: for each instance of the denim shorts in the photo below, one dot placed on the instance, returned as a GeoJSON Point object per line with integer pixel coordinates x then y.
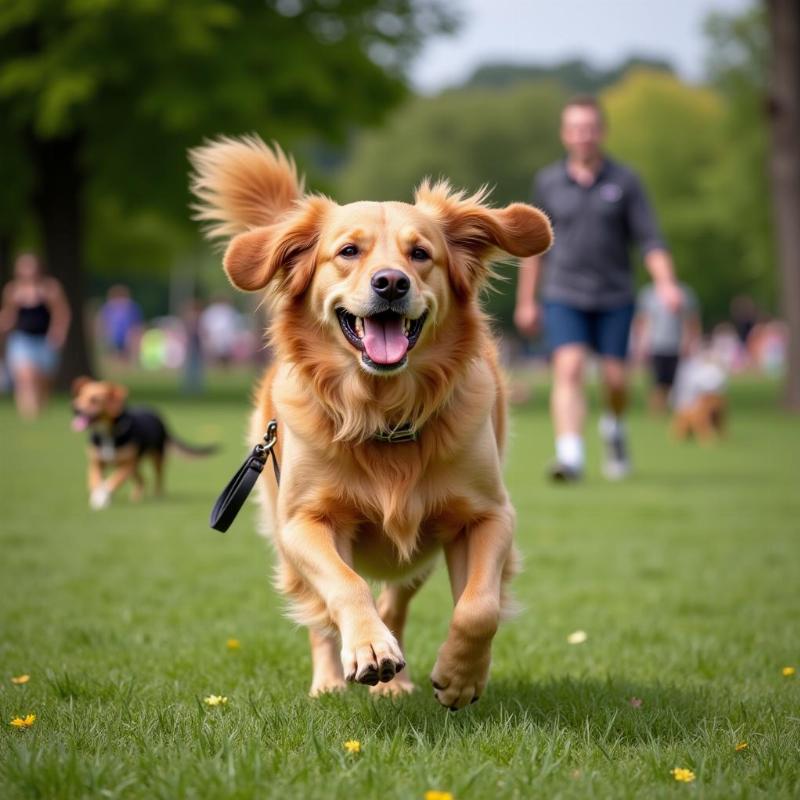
{"type": "Point", "coordinates": [28, 349]}
{"type": "Point", "coordinates": [605, 332]}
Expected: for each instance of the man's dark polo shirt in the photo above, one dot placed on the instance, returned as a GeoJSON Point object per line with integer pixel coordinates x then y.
{"type": "Point", "coordinates": [589, 265]}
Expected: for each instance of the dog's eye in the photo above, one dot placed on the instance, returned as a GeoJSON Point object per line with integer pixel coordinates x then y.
{"type": "Point", "coordinates": [349, 251]}
{"type": "Point", "coordinates": [420, 254]}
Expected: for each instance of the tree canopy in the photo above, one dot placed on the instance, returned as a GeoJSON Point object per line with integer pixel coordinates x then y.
{"type": "Point", "coordinates": [100, 99]}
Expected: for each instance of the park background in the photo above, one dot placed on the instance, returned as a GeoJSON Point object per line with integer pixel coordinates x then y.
{"type": "Point", "coordinates": [684, 579]}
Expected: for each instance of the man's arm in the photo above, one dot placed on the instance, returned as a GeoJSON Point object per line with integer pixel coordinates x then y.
{"type": "Point", "coordinates": [659, 264]}
{"type": "Point", "coordinates": [526, 312]}
{"type": "Point", "coordinates": [645, 231]}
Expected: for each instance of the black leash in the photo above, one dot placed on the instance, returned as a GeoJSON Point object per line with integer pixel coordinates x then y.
{"type": "Point", "coordinates": [241, 484]}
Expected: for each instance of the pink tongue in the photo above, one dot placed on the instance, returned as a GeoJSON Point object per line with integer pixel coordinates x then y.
{"type": "Point", "coordinates": [384, 339]}
{"type": "Point", "coordinates": [79, 423]}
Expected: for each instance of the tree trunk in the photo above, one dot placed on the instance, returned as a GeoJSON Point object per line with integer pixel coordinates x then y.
{"type": "Point", "coordinates": [58, 199]}
{"type": "Point", "coordinates": [6, 268]}
{"type": "Point", "coordinates": [784, 109]}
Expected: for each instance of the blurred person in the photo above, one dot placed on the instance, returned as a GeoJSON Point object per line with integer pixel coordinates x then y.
{"type": "Point", "coordinates": [662, 336]}
{"type": "Point", "coordinates": [193, 368]}
{"type": "Point", "coordinates": [36, 315]}
{"type": "Point", "coordinates": [744, 315]}
{"type": "Point", "coordinates": [598, 209]}
{"type": "Point", "coordinates": [220, 324]}
{"type": "Point", "coordinates": [121, 321]}
{"type": "Point", "coordinates": [726, 347]}
{"type": "Point", "coordinates": [767, 345]}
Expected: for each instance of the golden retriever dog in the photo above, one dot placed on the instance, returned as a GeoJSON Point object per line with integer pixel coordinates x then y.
{"type": "Point", "coordinates": [390, 405]}
{"type": "Point", "coordinates": [120, 438]}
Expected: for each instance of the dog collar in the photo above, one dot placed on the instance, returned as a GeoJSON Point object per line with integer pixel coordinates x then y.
{"type": "Point", "coordinates": [404, 433]}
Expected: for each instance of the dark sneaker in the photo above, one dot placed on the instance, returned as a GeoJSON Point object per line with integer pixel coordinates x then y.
{"type": "Point", "coordinates": [562, 473]}
{"type": "Point", "coordinates": [617, 464]}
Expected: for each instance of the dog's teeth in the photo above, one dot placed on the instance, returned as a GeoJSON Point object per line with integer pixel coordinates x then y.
{"type": "Point", "coordinates": [406, 325]}
{"type": "Point", "coordinates": [359, 327]}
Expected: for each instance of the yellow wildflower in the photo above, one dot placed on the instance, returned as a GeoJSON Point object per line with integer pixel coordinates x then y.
{"type": "Point", "coordinates": [787, 672]}
{"type": "Point", "coordinates": [18, 680]}
{"type": "Point", "coordinates": [215, 700]}
{"type": "Point", "coordinates": [434, 794]}
{"type": "Point", "coordinates": [24, 722]}
{"type": "Point", "coordinates": [683, 775]}
{"type": "Point", "coordinates": [577, 637]}
{"type": "Point", "coordinates": [741, 746]}
{"type": "Point", "coordinates": [352, 746]}
{"type": "Point", "coordinates": [233, 644]}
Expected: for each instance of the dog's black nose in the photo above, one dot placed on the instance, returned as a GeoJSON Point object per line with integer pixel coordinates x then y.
{"type": "Point", "coordinates": [391, 284]}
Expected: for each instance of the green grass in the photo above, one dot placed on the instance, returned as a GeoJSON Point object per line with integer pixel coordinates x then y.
{"type": "Point", "coordinates": [685, 578]}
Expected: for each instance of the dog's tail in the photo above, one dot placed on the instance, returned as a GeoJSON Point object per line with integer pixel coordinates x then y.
{"type": "Point", "coordinates": [191, 450]}
{"type": "Point", "coordinates": [241, 183]}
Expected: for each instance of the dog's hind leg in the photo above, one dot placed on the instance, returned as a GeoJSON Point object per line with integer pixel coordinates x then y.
{"type": "Point", "coordinates": [158, 466]}
{"type": "Point", "coordinates": [393, 605]}
{"type": "Point", "coordinates": [326, 663]}
{"type": "Point", "coordinates": [138, 485]}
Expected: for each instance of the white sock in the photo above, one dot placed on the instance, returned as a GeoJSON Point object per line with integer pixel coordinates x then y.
{"type": "Point", "coordinates": [569, 450]}
{"type": "Point", "coordinates": [611, 426]}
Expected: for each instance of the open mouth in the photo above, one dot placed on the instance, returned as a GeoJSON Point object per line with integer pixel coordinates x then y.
{"type": "Point", "coordinates": [81, 421]}
{"type": "Point", "coordinates": [384, 339]}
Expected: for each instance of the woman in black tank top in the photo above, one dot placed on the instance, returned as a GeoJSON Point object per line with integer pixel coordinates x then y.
{"type": "Point", "coordinates": [35, 315]}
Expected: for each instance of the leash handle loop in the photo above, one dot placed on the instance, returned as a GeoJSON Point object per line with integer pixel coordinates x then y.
{"type": "Point", "coordinates": [241, 484]}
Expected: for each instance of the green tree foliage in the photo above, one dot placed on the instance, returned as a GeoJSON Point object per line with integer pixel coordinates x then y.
{"type": "Point", "coordinates": [99, 100]}
{"type": "Point", "coordinates": [575, 75]}
{"type": "Point", "coordinates": [672, 134]}
{"type": "Point", "coordinates": [701, 158]}
{"type": "Point", "coordinates": [738, 65]}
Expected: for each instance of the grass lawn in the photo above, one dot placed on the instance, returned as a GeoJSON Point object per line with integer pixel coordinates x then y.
{"type": "Point", "coordinates": [686, 580]}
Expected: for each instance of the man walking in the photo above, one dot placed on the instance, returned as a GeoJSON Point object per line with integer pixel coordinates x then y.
{"type": "Point", "coordinates": [598, 209]}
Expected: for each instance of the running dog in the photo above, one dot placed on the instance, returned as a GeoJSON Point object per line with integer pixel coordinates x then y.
{"type": "Point", "coordinates": [120, 438]}
{"type": "Point", "coordinates": [390, 405]}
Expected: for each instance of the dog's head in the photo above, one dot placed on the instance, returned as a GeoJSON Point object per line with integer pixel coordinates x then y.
{"type": "Point", "coordinates": [373, 280]}
{"type": "Point", "coordinates": [95, 402]}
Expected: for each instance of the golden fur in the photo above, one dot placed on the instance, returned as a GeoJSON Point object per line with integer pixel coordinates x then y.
{"type": "Point", "coordinates": [349, 506]}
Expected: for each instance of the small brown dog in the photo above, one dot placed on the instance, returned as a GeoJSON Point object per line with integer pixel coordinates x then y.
{"type": "Point", "coordinates": [698, 398]}
{"type": "Point", "coordinates": [120, 437]}
{"type": "Point", "coordinates": [390, 405]}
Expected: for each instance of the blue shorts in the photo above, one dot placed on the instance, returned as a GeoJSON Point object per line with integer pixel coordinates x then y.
{"type": "Point", "coordinates": [605, 332]}
{"type": "Point", "coordinates": [30, 350]}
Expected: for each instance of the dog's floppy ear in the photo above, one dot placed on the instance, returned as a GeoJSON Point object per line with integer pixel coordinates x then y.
{"type": "Point", "coordinates": [79, 383]}
{"type": "Point", "coordinates": [474, 231]}
{"type": "Point", "coordinates": [284, 251]}
{"type": "Point", "coordinates": [115, 399]}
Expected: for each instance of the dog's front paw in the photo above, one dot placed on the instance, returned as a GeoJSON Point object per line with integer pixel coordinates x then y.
{"type": "Point", "coordinates": [99, 498]}
{"type": "Point", "coordinates": [460, 674]}
{"type": "Point", "coordinates": [372, 657]}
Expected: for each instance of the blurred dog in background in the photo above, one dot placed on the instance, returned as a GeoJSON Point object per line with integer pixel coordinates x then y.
{"type": "Point", "coordinates": [120, 438]}
{"type": "Point", "coordinates": [698, 399]}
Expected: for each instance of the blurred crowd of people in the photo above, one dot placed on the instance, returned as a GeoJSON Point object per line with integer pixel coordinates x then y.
{"type": "Point", "coordinates": [35, 317]}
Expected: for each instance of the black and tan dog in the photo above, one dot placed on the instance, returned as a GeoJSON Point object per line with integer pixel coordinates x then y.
{"type": "Point", "coordinates": [120, 438]}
